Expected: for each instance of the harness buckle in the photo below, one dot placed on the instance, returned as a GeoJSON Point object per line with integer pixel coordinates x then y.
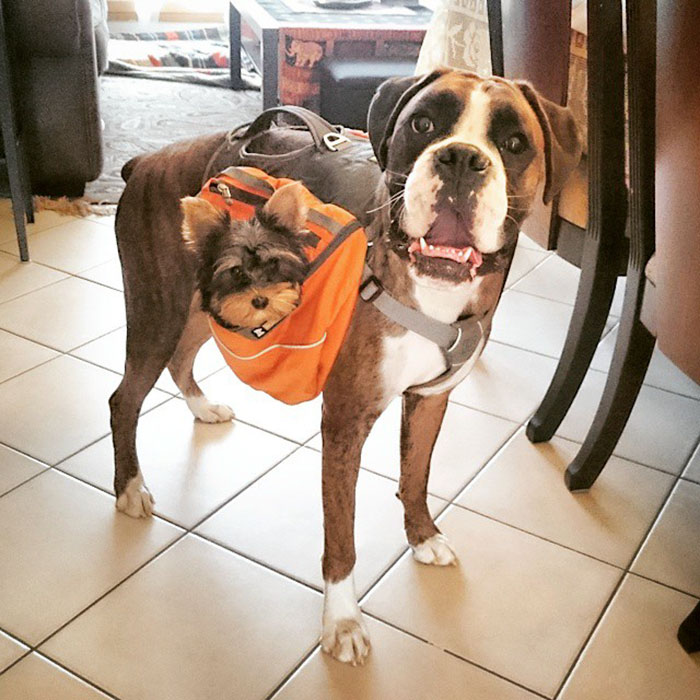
{"type": "Point", "coordinates": [371, 289]}
{"type": "Point", "coordinates": [335, 141]}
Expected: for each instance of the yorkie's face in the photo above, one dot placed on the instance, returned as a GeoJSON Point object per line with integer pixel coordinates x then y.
{"type": "Point", "coordinates": [250, 272]}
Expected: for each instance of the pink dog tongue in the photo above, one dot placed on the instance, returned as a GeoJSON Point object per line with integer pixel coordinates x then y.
{"type": "Point", "coordinates": [446, 230]}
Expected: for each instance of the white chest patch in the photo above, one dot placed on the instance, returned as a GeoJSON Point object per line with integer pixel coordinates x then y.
{"type": "Point", "coordinates": [409, 358]}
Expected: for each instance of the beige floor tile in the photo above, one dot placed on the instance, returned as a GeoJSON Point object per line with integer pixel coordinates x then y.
{"type": "Point", "coordinates": [65, 314]}
{"type": "Point", "coordinates": [531, 323]}
{"type": "Point", "coordinates": [279, 521]}
{"type": "Point", "coordinates": [17, 355]}
{"type": "Point", "coordinates": [73, 246]}
{"type": "Point", "coordinates": [467, 440]}
{"type": "Point", "coordinates": [662, 430]}
{"type": "Point", "coordinates": [63, 545]}
{"type": "Point", "coordinates": [662, 373]}
{"type": "Point", "coordinates": [36, 678]}
{"type": "Point", "coordinates": [108, 273]}
{"type": "Point", "coordinates": [692, 471]}
{"type": "Point", "coordinates": [297, 423]}
{"type": "Point", "coordinates": [671, 555]}
{"type": "Point", "coordinates": [104, 220]}
{"type": "Point", "coordinates": [608, 522]}
{"type": "Point", "coordinates": [17, 278]}
{"type": "Point", "coordinates": [16, 468]}
{"type": "Point", "coordinates": [524, 260]}
{"type": "Point", "coordinates": [634, 654]}
{"type": "Point", "coordinates": [554, 279]}
{"type": "Point", "coordinates": [10, 651]}
{"type": "Point", "coordinates": [202, 623]}
{"type": "Point", "coordinates": [399, 668]}
{"type": "Point", "coordinates": [109, 351]}
{"type": "Point", "coordinates": [190, 467]}
{"type": "Point", "coordinates": [516, 605]}
{"type": "Point", "coordinates": [55, 409]}
{"type": "Point", "coordinates": [527, 242]}
{"type": "Point", "coordinates": [43, 220]}
{"type": "Point", "coordinates": [507, 382]}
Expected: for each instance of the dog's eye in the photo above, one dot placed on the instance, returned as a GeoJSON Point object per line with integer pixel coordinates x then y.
{"type": "Point", "coordinates": [422, 125]}
{"type": "Point", "coordinates": [272, 267]}
{"type": "Point", "coordinates": [516, 143]}
{"type": "Point", "coordinates": [238, 277]}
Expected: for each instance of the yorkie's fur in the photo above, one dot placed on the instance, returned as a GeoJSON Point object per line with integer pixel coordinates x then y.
{"type": "Point", "coordinates": [249, 272]}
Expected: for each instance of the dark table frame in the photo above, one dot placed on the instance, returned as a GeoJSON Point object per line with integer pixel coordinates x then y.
{"type": "Point", "coordinates": [267, 30]}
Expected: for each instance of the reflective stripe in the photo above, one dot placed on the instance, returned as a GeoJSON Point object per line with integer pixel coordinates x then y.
{"type": "Point", "coordinates": [237, 173]}
{"type": "Point", "coordinates": [228, 351]}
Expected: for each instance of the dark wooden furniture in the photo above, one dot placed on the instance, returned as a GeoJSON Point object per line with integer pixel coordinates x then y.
{"type": "Point", "coordinates": [295, 35]}
{"type": "Point", "coordinates": [535, 40]}
{"type": "Point", "coordinates": [20, 189]}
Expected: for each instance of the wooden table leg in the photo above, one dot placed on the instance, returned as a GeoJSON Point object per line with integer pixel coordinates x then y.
{"type": "Point", "coordinates": [270, 67]}
{"type": "Point", "coordinates": [235, 47]}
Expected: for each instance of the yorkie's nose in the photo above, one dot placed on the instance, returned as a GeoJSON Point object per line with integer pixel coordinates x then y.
{"type": "Point", "coordinates": [259, 302]}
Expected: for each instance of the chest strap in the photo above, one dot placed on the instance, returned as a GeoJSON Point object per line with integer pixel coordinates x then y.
{"type": "Point", "coordinates": [457, 341]}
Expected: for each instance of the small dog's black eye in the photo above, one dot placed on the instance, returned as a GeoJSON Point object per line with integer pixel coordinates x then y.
{"type": "Point", "coordinates": [515, 144]}
{"type": "Point", "coordinates": [238, 277]}
{"type": "Point", "coordinates": [422, 125]}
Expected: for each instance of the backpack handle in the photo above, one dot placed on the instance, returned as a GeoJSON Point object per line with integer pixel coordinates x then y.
{"type": "Point", "coordinates": [318, 127]}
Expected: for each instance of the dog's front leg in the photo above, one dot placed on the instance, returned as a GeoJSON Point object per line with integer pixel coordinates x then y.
{"type": "Point", "coordinates": [344, 428]}
{"type": "Point", "coordinates": [421, 419]}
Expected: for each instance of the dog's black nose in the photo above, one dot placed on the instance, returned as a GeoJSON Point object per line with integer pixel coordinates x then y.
{"type": "Point", "coordinates": [260, 302]}
{"type": "Point", "coordinates": [460, 155]}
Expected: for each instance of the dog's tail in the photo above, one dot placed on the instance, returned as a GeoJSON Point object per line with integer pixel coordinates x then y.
{"type": "Point", "coordinates": [128, 168]}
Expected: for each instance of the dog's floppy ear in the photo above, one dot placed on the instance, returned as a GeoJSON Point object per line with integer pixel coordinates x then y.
{"type": "Point", "coordinates": [388, 101]}
{"type": "Point", "coordinates": [562, 139]}
{"type": "Point", "coordinates": [288, 206]}
{"type": "Point", "coordinates": [200, 218]}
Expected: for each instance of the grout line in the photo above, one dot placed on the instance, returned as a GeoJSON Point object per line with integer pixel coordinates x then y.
{"type": "Point", "coordinates": [627, 572]}
{"type": "Point", "coordinates": [293, 672]}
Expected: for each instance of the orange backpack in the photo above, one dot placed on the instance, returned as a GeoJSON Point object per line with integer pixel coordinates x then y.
{"type": "Point", "coordinates": [292, 361]}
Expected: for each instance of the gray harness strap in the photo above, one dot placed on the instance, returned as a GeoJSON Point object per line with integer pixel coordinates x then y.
{"type": "Point", "coordinates": [458, 341]}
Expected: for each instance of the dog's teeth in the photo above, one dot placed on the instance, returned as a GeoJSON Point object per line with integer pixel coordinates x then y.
{"type": "Point", "coordinates": [431, 247]}
{"type": "Point", "coordinates": [422, 243]}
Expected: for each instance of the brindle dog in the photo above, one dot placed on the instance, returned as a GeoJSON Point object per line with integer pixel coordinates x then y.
{"type": "Point", "coordinates": [462, 159]}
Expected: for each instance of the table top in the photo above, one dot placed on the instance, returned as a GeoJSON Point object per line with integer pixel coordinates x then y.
{"type": "Point", "coordinates": [303, 13]}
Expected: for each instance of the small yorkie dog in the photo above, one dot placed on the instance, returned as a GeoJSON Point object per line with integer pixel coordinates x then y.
{"type": "Point", "coordinates": [250, 272]}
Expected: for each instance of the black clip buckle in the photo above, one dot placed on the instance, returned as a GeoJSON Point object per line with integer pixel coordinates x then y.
{"type": "Point", "coordinates": [378, 291]}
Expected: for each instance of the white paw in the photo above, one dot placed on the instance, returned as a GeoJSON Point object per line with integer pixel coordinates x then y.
{"type": "Point", "coordinates": [136, 500]}
{"type": "Point", "coordinates": [208, 412]}
{"type": "Point", "coordinates": [435, 550]}
{"type": "Point", "coordinates": [346, 640]}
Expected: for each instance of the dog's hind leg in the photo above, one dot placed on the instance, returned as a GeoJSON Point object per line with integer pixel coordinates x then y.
{"type": "Point", "coordinates": [148, 348]}
{"type": "Point", "coordinates": [194, 335]}
{"type": "Point", "coordinates": [421, 419]}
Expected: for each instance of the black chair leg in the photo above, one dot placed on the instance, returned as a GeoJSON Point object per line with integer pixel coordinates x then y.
{"type": "Point", "coordinates": [12, 146]}
{"type": "Point", "coordinates": [634, 342]}
{"type": "Point", "coordinates": [689, 631]}
{"type": "Point", "coordinates": [627, 371]}
{"type": "Point", "coordinates": [599, 266]}
{"type": "Point", "coordinates": [607, 206]}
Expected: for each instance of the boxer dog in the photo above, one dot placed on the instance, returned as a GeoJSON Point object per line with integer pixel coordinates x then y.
{"type": "Point", "coordinates": [462, 160]}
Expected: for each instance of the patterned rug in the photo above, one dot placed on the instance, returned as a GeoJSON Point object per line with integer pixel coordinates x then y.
{"type": "Point", "coordinates": [145, 115]}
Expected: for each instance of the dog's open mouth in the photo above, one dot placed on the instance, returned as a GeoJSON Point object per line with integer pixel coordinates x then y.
{"type": "Point", "coordinates": [448, 239]}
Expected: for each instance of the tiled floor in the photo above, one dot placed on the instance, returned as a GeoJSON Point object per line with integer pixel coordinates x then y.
{"type": "Point", "coordinates": [557, 595]}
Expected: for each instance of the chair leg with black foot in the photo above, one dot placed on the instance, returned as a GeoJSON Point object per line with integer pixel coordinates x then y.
{"type": "Point", "coordinates": [607, 204]}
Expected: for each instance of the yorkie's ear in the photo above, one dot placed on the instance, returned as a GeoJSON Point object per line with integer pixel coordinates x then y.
{"type": "Point", "coordinates": [287, 205]}
{"type": "Point", "coordinates": [201, 217]}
